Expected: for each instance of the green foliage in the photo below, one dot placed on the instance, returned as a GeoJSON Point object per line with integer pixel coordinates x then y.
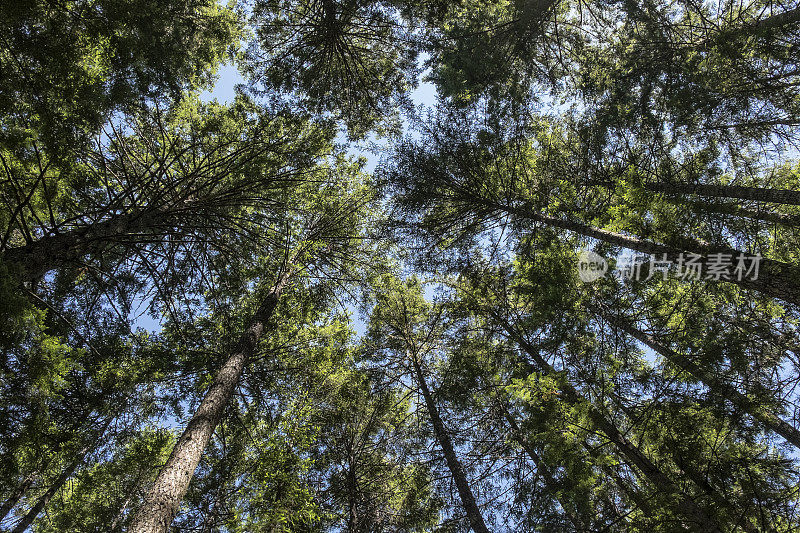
{"type": "Point", "coordinates": [480, 367]}
{"type": "Point", "coordinates": [67, 66]}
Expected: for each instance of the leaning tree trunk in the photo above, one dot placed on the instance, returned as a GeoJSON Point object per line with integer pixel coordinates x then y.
{"type": "Point", "coordinates": [758, 194]}
{"type": "Point", "coordinates": [18, 492]}
{"type": "Point", "coordinates": [549, 479]}
{"type": "Point", "coordinates": [45, 498]}
{"type": "Point", "coordinates": [62, 478]}
{"type": "Point", "coordinates": [731, 209]}
{"type": "Point", "coordinates": [701, 480]}
{"type": "Point", "coordinates": [682, 503]}
{"type": "Point", "coordinates": [36, 259]}
{"type": "Point", "coordinates": [775, 278]}
{"type": "Point", "coordinates": [453, 464]}
{"type": "Point", "coordinates": [119, 517]}
{"type": "Point", "coordinates": [161, 503]}
{"type": "Point", "coordinates": [767, 24]}
{"type": "Point", "coordinates": [715, 385]}
{"type": "Point", "coordinates": [630, 492]}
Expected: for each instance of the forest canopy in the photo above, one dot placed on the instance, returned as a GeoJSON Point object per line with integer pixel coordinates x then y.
{"type": "Point", "coordinates": [558, 293]}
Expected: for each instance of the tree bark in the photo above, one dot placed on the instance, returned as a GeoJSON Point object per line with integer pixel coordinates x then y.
{"type": "Point", "coordinates": [682, 503]}
{"type": "Point", "coordinates": [453, 464]}
{"type": "Point", "coordinates": [162, 501]}
{"type": "Point", "coordinates": [775, 278]}
{"type": "Point", "coordinates": [758, 194]}
{"type": "Point", "coordinates": [55, 251]}
{"type": "Point", "coordinates": [45, 498]}
{"type": "Point", "coordinates": [734, 210]}
{"type": "Point", "coordinates": [792, 16]}
{"type": "Point", "coordinates": [17, 494]}
{"type": "Point", "coordinates": [549, 479]}
{"type": "Point", "coordinates": [717, 386]}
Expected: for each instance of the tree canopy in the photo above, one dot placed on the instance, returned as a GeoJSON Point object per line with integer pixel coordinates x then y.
{"type": "Point", "coordinates": [561, 293]}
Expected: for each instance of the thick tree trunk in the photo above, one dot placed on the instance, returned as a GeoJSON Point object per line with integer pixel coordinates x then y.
{"type": "Point", "coordinates": [775, 278]}
{"type": "Point", "coordinates": [792, 16]}
{"type": "Point", "coordinates": [45, 498]}
{"type": "Point", "coordinates": [453, 464]}
{"type": "Point", "coordinates": [758, 194]}
{"type": "Point", "coordinates": [717, 386]}
{"type": "Point", "coordinates": [162, 501]}
{"type": "Point", "coordinates": [38, 258]}
{"type": "Point", "coordinates": [683, 503]}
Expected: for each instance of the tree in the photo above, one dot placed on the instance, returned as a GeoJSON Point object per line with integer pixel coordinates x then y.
{"type": "Point", "coordinates": [408, 325]}
{"type": "Point", "coordinates": [325, 237]}
{"type": "Point", "coordinates": [67, 68]}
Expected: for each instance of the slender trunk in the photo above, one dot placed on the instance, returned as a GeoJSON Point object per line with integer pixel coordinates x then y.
{"type": "Point", "coordinates": [549, 479]}
{"type": "Point", "coordinates": [45, 498]}
{"type": "Point", "coordinates": [775, 278]}
{"type": "Point", "coordinates": [209, 520]}
{"type": "Point", "coordinates": [734, 210]}
{"type": "Point", "coordinates": [161, 503]}
{"type": "Point", "coordinates": [717, 386]}
{"type": "Point", "coordinates": [453, 464]}
{"type": "Point", "coordinates": [39, 257]}
{"type": "Point", "coordinates": [758, 194]}
{"type": "Point", "coordinates": [120, 516]}
{"type": "Point", "coordinates": [352, 517]}
{"type": "Point", "coordinates": [59, 482]}
{"type": "Point", "coordinates": [701, 480]}
{"type": "Point", "coordinates": [630, 492]}
{"type": "Point", "coordinates": [17, 494]}
{"type": "Point", "coordinates": [682, 503]}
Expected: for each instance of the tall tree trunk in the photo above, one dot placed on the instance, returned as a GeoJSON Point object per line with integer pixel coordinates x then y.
{"type": "Point", "coordinates": [733, 210]}
{"type": "Point", "coordinates": [758, 194]}
{"type": "Point", "coordinates": [791, 16]}
{"type": "Point", "coordinates": [162, 501]}
{"type": "Point", "coordinates": [120, 516]}
{"type": "Point", "coordinates": [549, 479]}
{"type": "Point", "coordinates": [717, 386]}
{"type": "Point", "coordinates": [45, 498]}
{"type": "Point", "coordinates": [59, 482]}
{"type": "Point", "coordinates": [453, 464]}
{"type": "Point", "coordinates": [39, 257]}
{"type": "Point", "coordinates": [701, 480]}
{"type": "Point", "coordinates": [775, 278]}
{"type": "Point", "coordinates": [18, 492]}
{"type": "Point", "coordinates": [630, 492]}
{"type": "Point", "coordinates": [352, 496]}
{"type": "Point", "coordinates": [682, 503]}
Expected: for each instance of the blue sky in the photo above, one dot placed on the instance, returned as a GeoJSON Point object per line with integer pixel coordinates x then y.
{"type": "Point", "coordinates": [224, 91]}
